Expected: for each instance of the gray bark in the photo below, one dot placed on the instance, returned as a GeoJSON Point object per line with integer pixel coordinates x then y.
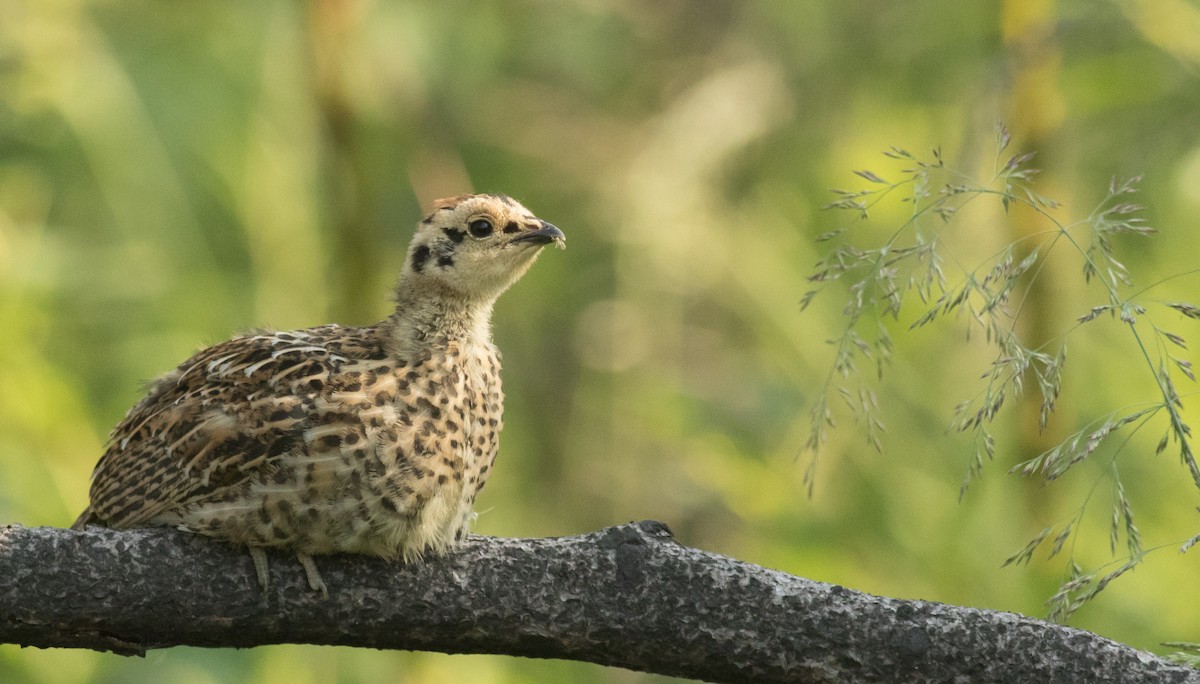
{"type": "Point", "coordinates": [626, 596]}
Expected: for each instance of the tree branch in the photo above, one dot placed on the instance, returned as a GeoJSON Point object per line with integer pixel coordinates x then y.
{"type": "Point", "coordinates": [628, 596]}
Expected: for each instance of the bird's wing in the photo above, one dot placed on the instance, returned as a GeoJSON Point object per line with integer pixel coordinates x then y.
{"type": "Point", "coordinates": [221, 417]}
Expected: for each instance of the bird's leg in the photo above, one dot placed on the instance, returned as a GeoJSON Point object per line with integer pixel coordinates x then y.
{"type": "Point", "coordinates": [314, 577]}
{"type": "Point", "coordinates": [260, 567]}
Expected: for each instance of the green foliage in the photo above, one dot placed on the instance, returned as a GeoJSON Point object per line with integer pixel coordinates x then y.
{"type": "Point", "coordinates": [990, 297]}
{"type": "Point", "coordinates": [1187, 653]}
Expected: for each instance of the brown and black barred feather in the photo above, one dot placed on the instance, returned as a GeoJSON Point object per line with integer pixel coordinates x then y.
{"type": "Point", "coordinates": [255, 439]}
{"type": "Point", "coordinates": [369, 440]}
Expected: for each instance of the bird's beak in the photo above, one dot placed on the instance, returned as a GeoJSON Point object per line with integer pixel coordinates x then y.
{"type": "Point", "coordinates": [543, 236]}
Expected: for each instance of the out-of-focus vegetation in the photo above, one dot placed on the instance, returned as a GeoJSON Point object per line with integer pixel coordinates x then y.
{"type": "Point", "coordinates": [171, 173]}
{"type": "Point", "coordinates": [926, 259]}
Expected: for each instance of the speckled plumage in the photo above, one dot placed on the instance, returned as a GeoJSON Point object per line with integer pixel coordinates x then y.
{"type": "Point", "coordinates": [370, 440]}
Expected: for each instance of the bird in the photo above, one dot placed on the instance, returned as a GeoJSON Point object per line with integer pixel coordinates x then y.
{"type": "Point", "coordinates": [370, 440]}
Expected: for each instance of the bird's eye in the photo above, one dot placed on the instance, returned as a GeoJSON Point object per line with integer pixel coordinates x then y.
{"type": "Point", "coordinates": [480, 228]}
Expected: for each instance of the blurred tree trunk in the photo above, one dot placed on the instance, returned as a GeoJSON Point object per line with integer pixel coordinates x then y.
{"type": "Point", "coordinates": [333, 27]}
{"type": "Point", "coordinates": [626, 596]}
{"type": "Point", "coordinates": [1036, 110]}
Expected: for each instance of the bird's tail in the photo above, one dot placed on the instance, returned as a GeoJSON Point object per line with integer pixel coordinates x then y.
{"type": "Point", "coordinates": [86, 517]}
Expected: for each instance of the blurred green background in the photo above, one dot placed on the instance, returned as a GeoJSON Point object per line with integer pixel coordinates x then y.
{"type": "Point", "coordinates": [171, 173]}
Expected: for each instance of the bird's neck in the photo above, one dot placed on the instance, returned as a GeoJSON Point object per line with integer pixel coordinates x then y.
{"type": "Point", "coordinates": [429, 317]}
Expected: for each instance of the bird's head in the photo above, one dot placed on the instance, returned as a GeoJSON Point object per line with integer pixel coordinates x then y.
{"type": "Point", "coordinates": [476, 246]}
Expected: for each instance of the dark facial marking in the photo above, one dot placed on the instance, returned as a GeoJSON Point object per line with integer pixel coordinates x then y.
{"type": "Point", "coordinates": [454, 234]}
{"type": "Point", "coordinates": [511, 227]}
{"type": "Point", "coordinates": [444, 250]}
{"type": "Point", "coordinates": [420, 256]}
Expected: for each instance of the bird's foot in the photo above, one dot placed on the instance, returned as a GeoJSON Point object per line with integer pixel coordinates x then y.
{"type": "Point", "coordinates": [259, 557]}
{"type": "Point", "coordinates": [314, 577]}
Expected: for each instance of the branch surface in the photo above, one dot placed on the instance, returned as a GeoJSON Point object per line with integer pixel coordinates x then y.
{"type": "Point", "coordinates": [627, 596]}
